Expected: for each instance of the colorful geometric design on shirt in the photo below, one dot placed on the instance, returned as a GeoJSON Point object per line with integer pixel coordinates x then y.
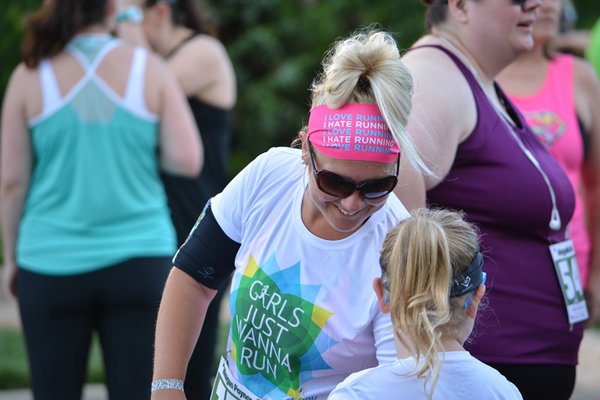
{"type": "Point", "coordinates": [277, 330]}
{"type": "Point", "coordinates": [547, 125]}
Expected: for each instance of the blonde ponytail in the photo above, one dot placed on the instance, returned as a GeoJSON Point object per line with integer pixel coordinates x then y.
{"type": "Point", "coordinates": [366, 68]}
{"type": "Point", "coordinates": [422, 256]}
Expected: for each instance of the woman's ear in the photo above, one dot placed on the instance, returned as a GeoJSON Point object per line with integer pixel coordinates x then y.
{"type": "Point", "coordinates": [477, 296]}
{"type": "Point", "coordinates": [382, 295]}
{"type": "Point", "coordinates": [458, 10]}
{"type": "Point", "coordinates": [304, 140]}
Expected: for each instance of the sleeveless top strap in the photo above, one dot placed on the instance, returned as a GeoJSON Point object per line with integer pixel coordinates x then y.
{"type": "Point", "coordinates": [49, 86]}
{"type": "Point", "coordinates": [103, 52]}
{"type": "Point", "coordinates": [477, 90]}
{"type": "Point", "coordinates": [466, 71]}
{"type": "Point", "coordinates": [83, 61]}
{"type": "Point", "coordinates": [134, 93]}
{"type": "Point", "coordinates": [90, 65]}
{"type": "Point", "coordinates": [180, 44]}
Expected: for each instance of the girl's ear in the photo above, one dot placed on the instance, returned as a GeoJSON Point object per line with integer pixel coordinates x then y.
{"type": "Point", "coordinates": [477, 296]}
{"type": "Point", "coordinates": [382, 295]}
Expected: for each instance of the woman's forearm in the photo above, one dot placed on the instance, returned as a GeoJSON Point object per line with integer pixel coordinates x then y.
{"type": "Point", "coordinates": [180, 318]}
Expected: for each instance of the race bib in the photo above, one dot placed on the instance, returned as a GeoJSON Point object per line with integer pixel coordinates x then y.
{"type": "Point", "coordinates": [565, 264]}
{"type": "Point", "coordinates": [226, 387]}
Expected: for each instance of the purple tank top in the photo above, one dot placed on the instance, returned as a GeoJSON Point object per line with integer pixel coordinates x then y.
{"type": "Point", "coordinates": [501, 191]}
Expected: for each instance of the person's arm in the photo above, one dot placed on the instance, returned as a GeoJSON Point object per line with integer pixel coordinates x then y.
{"type": "Point", "coordinates": [411, 187]}
{"type": "Point", "coordinates": [202, 264]}
{"type": "Point", "coordinates": [181, 150]}
{"type": "Point", "coordinates": [575, 42]}
{"type": "Point", "coordinates": [216, 84]}
{"type": "Point", "coordinates": [587, 100]}
{"type": "Point", "coordinates": [443, 115]}
{"type": "Point", "coordinates": [15, 171]}
{"type": "Point", "coordinates": [180, 318]}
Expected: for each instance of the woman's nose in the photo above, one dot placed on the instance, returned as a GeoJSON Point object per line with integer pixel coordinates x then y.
{"type": "Point", "coordinates": [354, 202]}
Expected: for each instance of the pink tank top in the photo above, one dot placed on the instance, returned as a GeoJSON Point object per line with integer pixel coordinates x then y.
{"type": "Point", "coordinates": [551, 114]}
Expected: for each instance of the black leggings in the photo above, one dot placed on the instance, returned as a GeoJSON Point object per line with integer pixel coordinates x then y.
{"type": "Point", "coordinates": [540, 382]}
{"type": "Point", "coordinates": [59, 314]}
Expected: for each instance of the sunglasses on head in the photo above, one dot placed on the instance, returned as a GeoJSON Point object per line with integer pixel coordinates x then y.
{"type": "Point", "coordinates": [340, 186]}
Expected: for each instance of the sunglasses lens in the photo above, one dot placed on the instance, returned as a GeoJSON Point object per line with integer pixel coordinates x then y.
{"type": "Point", "coordinates": [333, 184]}
{"type": "Point", "coordinates": [378, 188]}
{"type": "Point", "coordinates": [338, 186]}
{"type": "Point", "coordinates": [519, 2]}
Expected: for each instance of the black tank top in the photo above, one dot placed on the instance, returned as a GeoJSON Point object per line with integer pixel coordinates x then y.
{"type": "Point", "coordinates": [187, 197]}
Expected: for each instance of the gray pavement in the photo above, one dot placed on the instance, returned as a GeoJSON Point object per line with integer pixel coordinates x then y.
{"type": "Point", "coordinates": [587, 386]}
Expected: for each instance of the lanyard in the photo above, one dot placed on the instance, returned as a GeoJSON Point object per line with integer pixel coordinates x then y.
{"type": "Point", "coordinates": [555, 222]}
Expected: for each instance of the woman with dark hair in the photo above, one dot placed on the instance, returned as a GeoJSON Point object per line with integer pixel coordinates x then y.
{"type": "Point", "coordinates": [181, 32]}
{"type": "Point", "coordinates": [86, 125]}
{"type": "Point", "coordinates": [489, 164]}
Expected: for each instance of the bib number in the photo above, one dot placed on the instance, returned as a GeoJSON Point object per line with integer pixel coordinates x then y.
{"type": "Point", "coordinates": [226, 387]}
{"type": "Point", "coordinates": [565, 264]}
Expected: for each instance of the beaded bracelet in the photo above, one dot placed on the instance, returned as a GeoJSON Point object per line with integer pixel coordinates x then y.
{"type": "Point", "coordinates": [163, 384]}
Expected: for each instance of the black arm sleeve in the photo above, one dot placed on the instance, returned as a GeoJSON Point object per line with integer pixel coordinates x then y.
{"type": "Point", "coordinates": [208, 254]}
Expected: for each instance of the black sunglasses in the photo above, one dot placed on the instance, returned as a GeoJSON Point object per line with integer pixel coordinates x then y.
{"type": "Point", "coordinates": [340, 186]}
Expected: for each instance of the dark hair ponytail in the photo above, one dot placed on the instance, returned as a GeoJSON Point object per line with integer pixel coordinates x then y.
{"type": "Point", "coordinates": [436, 12]}
{"type": "Point", "coordinates": [50, 29]}
{"type": "Point", "coordinates": [192, 14]}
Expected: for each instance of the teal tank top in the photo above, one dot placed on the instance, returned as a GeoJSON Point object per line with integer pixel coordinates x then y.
{"type": "Point", "coordinates": [95, 197]}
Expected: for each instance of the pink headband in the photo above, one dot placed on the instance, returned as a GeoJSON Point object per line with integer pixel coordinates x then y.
{"type": "Point", "coordinates": [352, 132]}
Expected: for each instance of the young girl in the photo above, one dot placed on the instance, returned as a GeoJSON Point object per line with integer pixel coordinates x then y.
{"type": "Point", "coordinates": [431, 283]}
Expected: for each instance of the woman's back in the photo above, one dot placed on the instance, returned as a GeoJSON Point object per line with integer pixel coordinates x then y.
{"type": "Point", "coordinates": [95, 197]}
{"type": "Point", "coordinates": [87, 238]}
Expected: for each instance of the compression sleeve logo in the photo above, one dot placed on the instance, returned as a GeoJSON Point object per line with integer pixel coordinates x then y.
{"type": "Point", "coordinates": [276, 330]}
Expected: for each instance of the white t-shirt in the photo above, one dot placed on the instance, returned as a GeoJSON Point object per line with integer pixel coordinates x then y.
{"type": "Point", "coordinates": [462, 376]}
{"type": "Point", "coordinates": [304, 314]}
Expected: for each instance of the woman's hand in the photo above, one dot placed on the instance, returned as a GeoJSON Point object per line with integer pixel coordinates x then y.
{"type": "Point", "coordinates": [9, 280]}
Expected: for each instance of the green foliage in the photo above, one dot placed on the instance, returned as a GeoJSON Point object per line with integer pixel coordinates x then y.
{"type": "Point", "coordinates": [277, 46]}
{"type": "Point", "coordinates": [588, 12]}
{"type": "Point", "coordinates": [14, 369]}
{"type": "Point", "coordinates": [11, 26]}
{"type": "Point", "coordinates": [13, 361]}
{"type": "Point", "coordinates": [14, 372]}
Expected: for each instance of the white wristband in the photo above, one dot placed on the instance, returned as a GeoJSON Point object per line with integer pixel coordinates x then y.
{"type": "Point", "coordinates": [164, 384]}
